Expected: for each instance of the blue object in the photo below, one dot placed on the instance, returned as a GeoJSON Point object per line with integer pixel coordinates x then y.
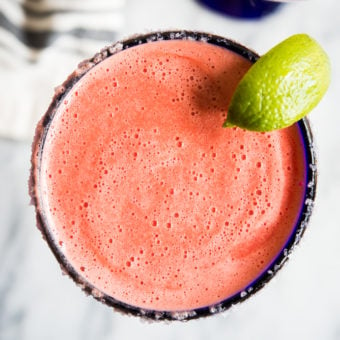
{"type": "Point", "coordinates": [247, 9]}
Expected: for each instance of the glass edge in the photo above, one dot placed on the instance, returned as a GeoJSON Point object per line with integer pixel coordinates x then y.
{"type": "Point", "coordinates": [154, 315]}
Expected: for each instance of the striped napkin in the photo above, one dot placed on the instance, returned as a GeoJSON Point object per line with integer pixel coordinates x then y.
{"type": "Point", "coordinates": [41, 42]}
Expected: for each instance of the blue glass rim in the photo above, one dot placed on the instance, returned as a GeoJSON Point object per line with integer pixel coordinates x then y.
{"type": "Point", "coordinates": [260, 281]}
{"type": "Point", "coordinates": [242, 9]}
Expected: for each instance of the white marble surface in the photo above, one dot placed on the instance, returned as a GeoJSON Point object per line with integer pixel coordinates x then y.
{"type": "Point", "coordinates": [302, 302]}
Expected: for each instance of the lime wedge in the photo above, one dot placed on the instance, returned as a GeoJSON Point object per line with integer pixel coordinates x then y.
{"type": "Point", "coordinates": [281, 87]}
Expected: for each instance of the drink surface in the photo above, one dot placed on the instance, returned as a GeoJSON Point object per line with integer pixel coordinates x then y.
{"type": "Point", "coordinates": [148, 197]}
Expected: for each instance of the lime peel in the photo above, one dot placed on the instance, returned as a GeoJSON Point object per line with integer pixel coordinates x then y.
{"type": "Point", "coordinates": [283, 86]}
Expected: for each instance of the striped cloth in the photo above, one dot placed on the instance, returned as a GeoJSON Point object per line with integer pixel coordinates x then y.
{"type": "Point", "coordinates": [41, 42]}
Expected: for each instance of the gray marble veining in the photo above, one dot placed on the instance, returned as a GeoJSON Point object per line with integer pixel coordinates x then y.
{"type": "Point", "coordinates": [302, 302]}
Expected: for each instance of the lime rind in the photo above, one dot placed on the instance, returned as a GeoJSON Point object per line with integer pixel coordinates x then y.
{"type": "Point", "coordinates": [281, 87]}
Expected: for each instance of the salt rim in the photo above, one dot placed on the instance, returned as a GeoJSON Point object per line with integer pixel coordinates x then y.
{"type": "Point", "coordinates": [152, 315]}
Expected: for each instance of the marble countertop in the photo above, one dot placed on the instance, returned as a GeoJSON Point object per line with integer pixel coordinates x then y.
{"type": "Point", "coordinates": [302, 302]}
